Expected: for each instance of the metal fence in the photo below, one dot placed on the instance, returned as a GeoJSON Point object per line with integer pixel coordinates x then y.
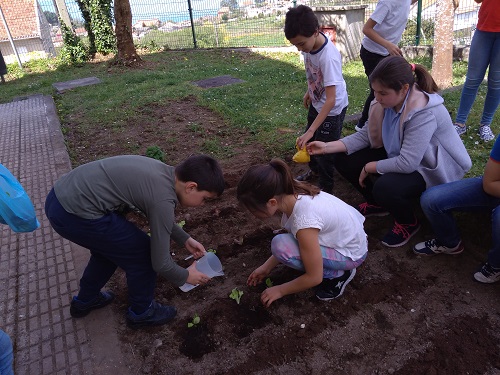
{"type": "Point", "coordinates": [178, 24]}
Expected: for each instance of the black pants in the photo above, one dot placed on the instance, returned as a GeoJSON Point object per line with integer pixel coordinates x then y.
{"type": "Point", "coordinates": [396, 192]}
{"type": "Point", "coordinates": [370, 61]}
{"type": "Point", "coordinates": [330, 130]}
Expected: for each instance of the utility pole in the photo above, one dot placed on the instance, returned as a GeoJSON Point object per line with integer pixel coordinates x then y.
{"type": "Point", "coordinates": [62, 12]}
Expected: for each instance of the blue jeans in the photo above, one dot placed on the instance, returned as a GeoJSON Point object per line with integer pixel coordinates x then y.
{"type": "Point", "coordinates": [439, 202]}
{"type": "Point", "coordinates": [6, 356]}
{"type": "Point", "coordinates": [484, 52]}
{"type": "Point", "coordinates": [113, 242]}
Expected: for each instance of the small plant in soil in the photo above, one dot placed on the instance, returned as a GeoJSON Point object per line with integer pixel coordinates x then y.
{"type": "Point", "coordinates": [212, 251]}
{"type": "Point", "coordinates": [196, 320]}
{"type": "Point", "coordinates": [269, 282]}
{"type": "Point", "coordinates": [181, 223]}
{"type": "Point", "coordinates": [236, 295]}
{"type": "Point", "coordinates": [155, 152]}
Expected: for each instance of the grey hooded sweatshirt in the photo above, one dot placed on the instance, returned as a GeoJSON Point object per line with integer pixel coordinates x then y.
{"type": "Point", "coordinates": [429, 142]}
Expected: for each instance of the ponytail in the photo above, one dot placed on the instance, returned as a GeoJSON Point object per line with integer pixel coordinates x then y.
{"type": "Point", "coordinates": [260, 183]}
{"type": "Point", "coordinates": [394, 72]}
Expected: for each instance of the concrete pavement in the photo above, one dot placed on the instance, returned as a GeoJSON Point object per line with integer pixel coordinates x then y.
{"type": "Point", "coordinates": [39, 271]}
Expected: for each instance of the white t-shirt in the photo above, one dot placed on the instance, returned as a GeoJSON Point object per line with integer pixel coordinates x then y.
{"type": "Point", "coordinates": [324, 68]}
{"type": "Point", "coordinates": [340, 225]}
{"type": "Point", "coordinates": [391, 17]}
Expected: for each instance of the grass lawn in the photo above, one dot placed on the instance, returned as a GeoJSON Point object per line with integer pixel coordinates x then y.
{"type": "Point", "coordinates": [268, 103]}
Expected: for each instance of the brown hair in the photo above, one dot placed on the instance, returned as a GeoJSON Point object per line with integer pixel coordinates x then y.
{"type": "Point", "coordinates": [394, 72]}
{"type": "Point", "coordinates": [265, 181]}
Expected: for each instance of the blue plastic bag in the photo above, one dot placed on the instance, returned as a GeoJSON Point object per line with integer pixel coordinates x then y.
{"type": "Point", "coordinates": [16, 209]}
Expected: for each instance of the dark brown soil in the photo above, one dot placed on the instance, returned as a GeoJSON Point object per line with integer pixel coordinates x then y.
{"type": "Point", "coordinates": [402, 314]}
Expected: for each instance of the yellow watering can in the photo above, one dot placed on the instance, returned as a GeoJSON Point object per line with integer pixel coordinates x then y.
{"type": "Point", "coordinates": [301, 156]}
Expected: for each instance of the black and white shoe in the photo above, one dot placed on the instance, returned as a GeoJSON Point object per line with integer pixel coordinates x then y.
{"type": "Point", "coordinates": [334, 288]}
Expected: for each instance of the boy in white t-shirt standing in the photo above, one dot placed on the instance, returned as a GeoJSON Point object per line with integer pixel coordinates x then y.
{"type": "Point", "coordinates": [326, 95]}
{"type": "Point", "coordinates": [383, 32]}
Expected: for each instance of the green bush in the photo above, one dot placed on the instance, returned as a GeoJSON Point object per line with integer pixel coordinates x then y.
{"type": "Point", "coordinates": [74, 51]}
{"type": "Point", "coordinates": [155, 152]}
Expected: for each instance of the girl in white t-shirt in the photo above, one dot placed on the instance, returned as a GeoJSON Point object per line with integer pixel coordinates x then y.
{"type": "Point", "coordinates": [326, 238]}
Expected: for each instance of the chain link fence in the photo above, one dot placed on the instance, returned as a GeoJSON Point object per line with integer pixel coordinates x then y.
{"type": "Point", "coordinates": [34, 27]}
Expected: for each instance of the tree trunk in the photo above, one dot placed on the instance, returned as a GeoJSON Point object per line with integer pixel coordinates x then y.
{"type": "Point", "coordinates": [442, 58]}
{"type": "Point", "coordinates": [127, 54]}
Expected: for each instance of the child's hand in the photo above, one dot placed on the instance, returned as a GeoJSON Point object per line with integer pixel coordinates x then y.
{"type": "Point", "coordinates": [306, 99]}
{"type": "Point", "coordinates": [316, 148]}
{"type": "Point", "coordinates": [196, 277]}
{"type": "Point", "coordinates": [270, 295]}
{"type": "Point", "coordinates": [257, 276]}
{"type": "Point", "coordinates": [195, 248]}
{"type": "Point", "coordinates": [302, 140]}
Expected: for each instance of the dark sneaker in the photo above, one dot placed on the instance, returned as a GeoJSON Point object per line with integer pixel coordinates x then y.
{"type": "Point", "coordinates": [366, 209]}
{"type": "Point", "coordinates": [155, 315]}
{"type": "Point", "coordinates": [460, 128]}
{"type": "Point", "coordinates": [333, 288]}
{"type": "Point", "coordinates": [487, 274]}
{"type": "Point", "coordinates": [433, 247]}
{"type": "Point", "coordinates": [79, 309]}
{"type": "Point", "coordinates": [400, 234]}
{"type": "Point", "coordinates": [308, 176]}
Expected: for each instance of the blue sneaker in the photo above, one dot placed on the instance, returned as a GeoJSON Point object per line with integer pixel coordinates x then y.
{"type": "Point", "coordinates": [157, 314]}
{"type": "Point", "coordinates": [433, 247]}
{"type": "Point", "coordinates": [79, 309]}
{"type": "Point", "coordinates": [400, 234]}
{"type": "Point", "coordinates": [487, 274]}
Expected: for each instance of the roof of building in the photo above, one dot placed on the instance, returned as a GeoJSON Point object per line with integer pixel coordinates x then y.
{"type": "Point", "coordinates": [22, 18]}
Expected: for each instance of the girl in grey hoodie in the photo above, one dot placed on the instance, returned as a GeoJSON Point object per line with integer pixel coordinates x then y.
{"type": "Point", "coordinates": [408, 145]}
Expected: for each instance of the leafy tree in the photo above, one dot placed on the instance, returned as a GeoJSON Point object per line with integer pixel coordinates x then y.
{"type": "Point", "coordinates": [73, 51]}
{"type": "Point", "coordinates": [83, 5]}
{"type": "Point", "coordinates": [260, 3]}
{"type": "Point", "coordinates": [127, 55]}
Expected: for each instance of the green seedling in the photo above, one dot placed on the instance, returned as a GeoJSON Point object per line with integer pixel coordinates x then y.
{"type": "Point", "coordinates": [195, 321]}
{"type": "Point", "coordinates": [181, 223]}
{"type": "Point", "coordinates": [236, 295]}
{"type": "Point", "coordinates": [212, 251]}
{"type": "Point", "coordinates": [269, 282]}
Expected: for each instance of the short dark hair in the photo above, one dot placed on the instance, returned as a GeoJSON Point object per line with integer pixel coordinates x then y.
{"type": "Point", "coordinates": [300, 21]}
{"type": "Point", "coordinates": [204, 170]}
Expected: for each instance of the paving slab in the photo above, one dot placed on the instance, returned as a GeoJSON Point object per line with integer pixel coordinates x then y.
{"type": "Point", "coordinates": [39, 271]}
{"type": "Point", "coordinates": [217, 81]}
{"type": "Point", "coordinates": [69, 85]}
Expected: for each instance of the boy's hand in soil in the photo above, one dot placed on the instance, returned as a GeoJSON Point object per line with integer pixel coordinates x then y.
{"type": "Point", "coordinates": [196, 277]}
{"type": "Point", "coordinates": [195, 248]}
{"type": "Point", "coordinates": [270, 295]}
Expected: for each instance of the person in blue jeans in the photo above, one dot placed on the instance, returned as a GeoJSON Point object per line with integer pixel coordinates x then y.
{"type": "Point", "coordinates": [470, 194]}
{"type": "Point", "coordinates": [83, 207]}
{"type": "Point", "coordinates": [485, 52]}
{"type": "Point", "coordinates": [6, 354]}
